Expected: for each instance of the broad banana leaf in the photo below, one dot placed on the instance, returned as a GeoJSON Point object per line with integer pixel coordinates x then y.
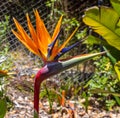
{"type": "Point", "coordinates": [104, 21]}
{"type": "Point", "coordinates": [116, 5]}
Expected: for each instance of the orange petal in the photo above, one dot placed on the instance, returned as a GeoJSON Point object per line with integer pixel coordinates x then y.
{"type": "Point", "coordinates": [34, 36]}
{"type": "Point", "coordinates": [67, 40]}
{"type": "Point", "coordinates": [36, 39]}
{"type": "Point", "coordinates": [28, 43]}
{"type": "Point", "coordinates": [32, 30]}
{"type": "Point", "coordinates": [57, 28]}
{"type": "Point", "coordinates": [42, 32]}
{"type": "Point", "coordinates": [55, 34]}
{"type": "Point", "coordinates": [24, 38]}
{"type": "Point", "coordinates": [57, 50]}
{"type": "Point", "coordinates": [54, 53]}
{"type": "Point", "coordinates": [21, 30]}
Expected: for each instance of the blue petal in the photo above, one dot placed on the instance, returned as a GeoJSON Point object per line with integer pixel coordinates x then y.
{"type": "Point", "coordinates": [51, 46]}
{"type": "Point", "coordinates": [64, 50]}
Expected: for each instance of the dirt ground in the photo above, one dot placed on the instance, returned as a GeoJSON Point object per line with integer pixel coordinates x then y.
{"type": "Point", "coordinates": [20, 92]}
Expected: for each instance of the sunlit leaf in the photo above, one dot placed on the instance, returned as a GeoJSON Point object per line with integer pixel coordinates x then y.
{"type": "Point", "coordinates": [116, 5]}
{"type": "Point", "coordinates": [117, 69]}
{"type": "Point", "coordinates": [104, 24]}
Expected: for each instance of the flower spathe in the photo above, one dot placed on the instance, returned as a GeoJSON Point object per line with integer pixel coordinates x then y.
{"type": "Point", "coordinates": [40, 42]}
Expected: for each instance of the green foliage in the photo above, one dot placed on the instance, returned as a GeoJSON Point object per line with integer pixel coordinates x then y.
{"type": "Point", "coordinates": [86, 96]}
{"type": "Point", "coordinates": [101, 20]}
{"type": "Point", "coordinates": [68, 24]}
{"type": "Point", "coordinates": [117, 69]}
{"type": "Point", "coordinates": [4, 28]}
{"type": "Point", "coordinates": [110, 104]}
{"type": "Point", "coordinates": [103, 72]}
{"type": "Point", "coordinates": [55, 7]}
{"type": "Point", "coordinates": [112, 52]}
{"type": "Point", "coordinates": [116, 5]}
{"type": "Point", "coordinates": [3, 107]}
{"type": "Point", "coordinates": [5, 103]}
{"type": "Point", "coordinates": [36, 114]}
{"type": "Point", "coordinates": [91, 40]}
{"type": "Point", "coordinates": [49, 94]}
{"type": "Point", "coordinates": [104, 82]}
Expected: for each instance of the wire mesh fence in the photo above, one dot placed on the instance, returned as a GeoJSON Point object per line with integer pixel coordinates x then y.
{"type": "Point", "coordinates": [18, 9]}
{"type": "Point", "coordinates": [50, 11]}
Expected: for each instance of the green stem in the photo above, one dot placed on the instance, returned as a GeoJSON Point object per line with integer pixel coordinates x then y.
{"type": "Point", "coordinates": [49, 99]}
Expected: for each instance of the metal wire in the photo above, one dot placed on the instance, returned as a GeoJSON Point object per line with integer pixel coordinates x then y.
{"type": "Point", "coordinates": [18, 9]}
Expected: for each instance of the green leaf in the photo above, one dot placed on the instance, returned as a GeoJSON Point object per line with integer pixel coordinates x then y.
{"type": "Point", "coordinates": [116, 5]}
{"type": "Point", "coordinates": [36, 114]}
{"type": "Point", "coordinates": [97, 90]}
{"type": "Point", "coordinates": [117, 69]}
{"type": "Point", "coordinates": [102, 22]}
{"type": "Point", "coordinates": [110, 104]}
{"type": "Point", "coordinates": [94, 40]}
{"type": "Point", "coordinates": [3, 108]}
{"type": "Point", "coordinates": [112, 52]}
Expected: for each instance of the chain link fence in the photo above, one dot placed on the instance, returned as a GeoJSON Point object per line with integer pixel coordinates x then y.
{"type": "Point", "coordinates": [18, 9]}
{"type": "Point", "coordinates": [50, 11]}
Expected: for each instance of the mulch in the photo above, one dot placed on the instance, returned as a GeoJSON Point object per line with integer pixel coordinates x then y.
{"type": "Point", "coordinates": [20, 92]}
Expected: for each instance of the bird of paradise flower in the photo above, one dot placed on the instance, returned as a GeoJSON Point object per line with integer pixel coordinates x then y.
{"type": "Point", "coordinates": [48, 49]}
